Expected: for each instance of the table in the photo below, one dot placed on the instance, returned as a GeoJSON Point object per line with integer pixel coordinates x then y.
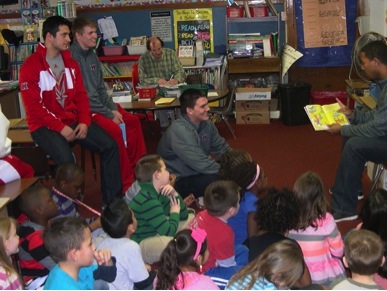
{"type": "Point", "coordinates": [12, 190]}
{"type": "Point", "coordinates": [150, 105]}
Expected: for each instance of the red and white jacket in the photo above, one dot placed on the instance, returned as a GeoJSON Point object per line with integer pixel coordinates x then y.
{"type": "Point", "coordinates": [37, 87]}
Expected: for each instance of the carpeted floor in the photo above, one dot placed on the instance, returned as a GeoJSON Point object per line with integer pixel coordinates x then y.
{"type": "Point", "coordinates": [285, 152]}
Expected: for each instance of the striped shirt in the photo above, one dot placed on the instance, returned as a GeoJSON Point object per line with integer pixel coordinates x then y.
{"type": "Point", "coordinates": [9, 281]}
{"type": "Point", "coordinates": [151, 210]}
{"type": "Point", "coordinates": [261, 284]}
{"type": "Point", "coordinates": [322, 248]}
{"type": "Point", "coordinates": [66, 207]}
{"type": "Point", "coordinates": [167, 67]}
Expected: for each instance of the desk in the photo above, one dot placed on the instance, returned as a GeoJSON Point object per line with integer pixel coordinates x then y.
{"type": "Point", "coordinates": [150, 105]}
{"type": "Point", "coordinates": [9, 101]}
{"type": "Point", "coordinates": [12, 190]}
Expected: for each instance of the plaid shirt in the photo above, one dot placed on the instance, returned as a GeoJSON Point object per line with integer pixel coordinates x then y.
{"type": "Point", "coordinates": [151, 69]}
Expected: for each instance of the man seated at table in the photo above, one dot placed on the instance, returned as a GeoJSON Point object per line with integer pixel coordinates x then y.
{"type": "Point", "coordinates": [57, 106]}
{"type": "Point", "coordinates": [105, 112]}
{"type": "Point", "coordinates": [160, 66]}
{"type": "Point", "coordinates": [188, 143]}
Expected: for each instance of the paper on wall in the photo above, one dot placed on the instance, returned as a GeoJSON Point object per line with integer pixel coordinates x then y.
{"type": "Point", "coordinates": [108, 27]}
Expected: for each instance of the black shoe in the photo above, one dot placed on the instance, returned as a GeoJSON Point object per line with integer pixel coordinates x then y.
{"type": "Point", "coordinates": [360, 195]}
{"type": "Point", "coordinates": [344, 216]}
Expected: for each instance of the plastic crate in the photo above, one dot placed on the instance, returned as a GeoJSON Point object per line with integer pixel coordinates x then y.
{"type": "Point", "coordinates": [147, 92]}
{"type": "Point", "coordinates": [235, 11]}
{"type": "Point", "coordinates": [113, 50]}
{"type": "Point", "coordinates": [259, 11]}
{"type": "Point", "coordinates": [329, 97]}
{"type": "Point", "coordinates": [202, 87]}
{"type": "Point", "coordinates": [136, 49]}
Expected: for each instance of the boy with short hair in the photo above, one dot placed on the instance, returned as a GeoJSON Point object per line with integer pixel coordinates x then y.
{"type": "Point", "coordinates": [68, 240]}
{"type": "Point", "coordinates": [37, 204]}
{"type": "Point", "coordinates": [69, 180]}
{"type": "Point", "coordinates": [159, 209]}
{"type": "Point", "coordinates": [221, 200]}
{"type": "Point", "coordinates": [119, 223]}
{"type": "Point", "coordinates": [363, 255]}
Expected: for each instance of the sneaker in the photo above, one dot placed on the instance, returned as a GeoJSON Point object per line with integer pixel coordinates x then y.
{"type": "Point", "coordinates": [360, 195]}
{"type": "Point", "coordinates": [344, 216]}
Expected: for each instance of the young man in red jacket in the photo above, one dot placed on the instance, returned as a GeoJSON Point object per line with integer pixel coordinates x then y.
{"type": "Point", "coordinates": [57, 106]}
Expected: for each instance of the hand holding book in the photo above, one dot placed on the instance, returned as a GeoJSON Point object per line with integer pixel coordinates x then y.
{"type": "Point", "coordinates": [321, 116]}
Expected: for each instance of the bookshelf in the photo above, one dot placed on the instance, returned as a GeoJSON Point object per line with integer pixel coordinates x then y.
{"type": "Point", "coordinates": [118, 69]}
{"type": "Point", "coordinates": [17, 55]}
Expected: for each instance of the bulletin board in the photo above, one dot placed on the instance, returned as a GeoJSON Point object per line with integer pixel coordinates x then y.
{"type": "Point", "coordinates": [330, 54]}
{"type": "Point", "coordinates": [191, 25]}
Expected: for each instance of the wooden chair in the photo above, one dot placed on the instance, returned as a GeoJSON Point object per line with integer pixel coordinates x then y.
{"type": "Point", "coordinates": [222, 113]}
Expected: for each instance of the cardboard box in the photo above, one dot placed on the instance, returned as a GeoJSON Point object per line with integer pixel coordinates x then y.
{"type": "Point", "coordinates": [253, 94]}
{"type": "Point", "coordinates": [252, 105]}
{"type": "Point", "coordinates": [258, 117]}
{"type": "Point", "coordinates": [187, 61]}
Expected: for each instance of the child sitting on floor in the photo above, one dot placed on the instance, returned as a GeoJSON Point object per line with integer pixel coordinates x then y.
{"type": "Point", "coordinates": [159, 209]}
{"type": "Point", "coordinates": [68, 240]}
{"type": "Point", "coordinates": [69, 180]}
{"type": "Point", "coordinates": [253, 182]}
{"type": "Point", "coordinates": [280, 266]}
{"type": "Point", "coordinates": [36, 203]}
{"type": "Point", "coordinates": [221, 199]}
{"type": "Point", "coordinates": [9, 245]}
{"type": "Point", "coordinates": [119, 223]}
{"type": "Point", "coordinates": [317, 232]}
{"type": "Point", "coordinates": [363, 256]}
{"type": "Point", "coordinates": [181, 260]}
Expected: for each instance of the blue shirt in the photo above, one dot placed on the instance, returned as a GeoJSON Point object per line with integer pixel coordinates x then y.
{"type": "Point", "coordinates": [60, 280]}
{"type": "Point", "coordinates": [238, 223]}
{"type": "Point", "coordinates": [261, 284]}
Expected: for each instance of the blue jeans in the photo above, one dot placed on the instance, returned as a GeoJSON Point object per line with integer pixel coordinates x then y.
{"type": "Point", "coordinates": [356, 152]}
{"type": "Point", "coordinates": [97, 140]}
{"type": "Point", "coordinates": [221, 275]}
{"type": "Point", "coordinates": [195, 184]}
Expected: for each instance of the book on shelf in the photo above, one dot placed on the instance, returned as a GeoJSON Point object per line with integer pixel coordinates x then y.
{"type": "Point", "coordinates": [323, 115]}
{"type": "Point", "coordinates": [268, 47]}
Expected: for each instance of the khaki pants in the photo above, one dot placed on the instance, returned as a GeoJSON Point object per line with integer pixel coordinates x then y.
{"type": "Point", "coordinates": [152, 247]}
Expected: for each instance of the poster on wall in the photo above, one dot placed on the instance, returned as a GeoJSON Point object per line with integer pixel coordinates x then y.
{"type": "Point", "coordinates": [161, 24]}
{"type": "Point", "coordinates": [324, 23]}
{"type": "Point", "coordinates": [191, 25]}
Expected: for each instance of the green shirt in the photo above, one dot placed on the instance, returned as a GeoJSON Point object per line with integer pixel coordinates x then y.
{"type": "Point", "coordinates": [151, 210]}
{"type": "Point", "coordinates": [167, 67]}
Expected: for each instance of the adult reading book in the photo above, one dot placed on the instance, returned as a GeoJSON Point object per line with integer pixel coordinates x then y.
{"type": "Point", "coordinates": [321, 116]}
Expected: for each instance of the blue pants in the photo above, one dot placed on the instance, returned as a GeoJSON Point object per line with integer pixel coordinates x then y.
{"type": "Point", "coordinates": [356, 152]}
{"type": "Point", "coordinates": [97, 140]}
{"type": "Point", "coordinates": [221, 275]}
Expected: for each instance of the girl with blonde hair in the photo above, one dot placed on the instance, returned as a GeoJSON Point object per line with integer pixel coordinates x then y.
{"type": "Point", "coordinates": [9, 245]}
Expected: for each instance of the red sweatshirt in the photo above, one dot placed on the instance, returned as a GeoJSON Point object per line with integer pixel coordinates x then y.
{"type": "Point", "coordinates": [37, 86]}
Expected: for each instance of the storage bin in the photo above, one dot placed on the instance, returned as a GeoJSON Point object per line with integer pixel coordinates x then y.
{"type": "Point", "coordinates": [329, 97]}
{"type": "Point", "coordinates": [235, 11]}
{"type": "Point", "coordinates": [113, 50]}
{"type": "Point", "coordinates": [293, 98]}
{"type": "Point", "coordinates": [202, 87]}
{"type": "Point", "coordinates": [259, 11]}
{"type": "Point", "coordinates": [147, 92]}
{"type": "Point", "coordinates": [136, 49]}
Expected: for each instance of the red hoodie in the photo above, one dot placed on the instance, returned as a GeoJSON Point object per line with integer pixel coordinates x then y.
{"type": "Point", "coordinates": [37, 87]}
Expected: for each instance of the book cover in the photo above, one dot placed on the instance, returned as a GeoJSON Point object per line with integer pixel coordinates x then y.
{"type": "Point", "coordinates": [323, 115]}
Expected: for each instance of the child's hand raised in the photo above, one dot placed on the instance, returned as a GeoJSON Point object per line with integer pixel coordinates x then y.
{"type": "Point", "coordinates": [103, 257]}
{"type": "Point", "coordinates": [168, 190]}
{"type": "Point", "coordinates": [175, 204]}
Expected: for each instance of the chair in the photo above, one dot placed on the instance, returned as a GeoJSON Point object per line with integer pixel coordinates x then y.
{"type": "Point", "coordinates": [222, 113]}
{"type": "Point", "coordinates": [135, 82]}
{"type": "Point", "coordinates": [378, 170]}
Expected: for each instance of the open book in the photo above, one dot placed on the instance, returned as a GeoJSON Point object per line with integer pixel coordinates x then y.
{"type": "Point", "coordinates": [323, 115]}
